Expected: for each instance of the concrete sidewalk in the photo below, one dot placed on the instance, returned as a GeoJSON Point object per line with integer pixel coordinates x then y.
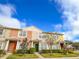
{"type": "Point", "coordinates": [55, 58]}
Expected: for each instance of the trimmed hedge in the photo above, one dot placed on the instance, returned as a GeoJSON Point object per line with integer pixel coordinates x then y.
{"type": "Point", "coordinates": [57, 51]}
{"type": "Point", "coordinates": [53, 51]}
{"type": "Point", "coordinates": [20, 51]}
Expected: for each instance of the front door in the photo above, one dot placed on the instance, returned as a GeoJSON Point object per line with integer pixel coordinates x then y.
{"type": "Point", "coordinates": [12, 46]}
{"type": "Point", "coordinates": [37, 47]}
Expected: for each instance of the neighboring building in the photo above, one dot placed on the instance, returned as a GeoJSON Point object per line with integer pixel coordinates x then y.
{"type": "Point", "coordinates": [57, 39]}
{"type": "Point", "coordinates": [11, 38]}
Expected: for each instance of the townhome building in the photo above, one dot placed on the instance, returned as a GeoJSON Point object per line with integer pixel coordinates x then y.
{"type": "Point", "coordinates": [12, 38]}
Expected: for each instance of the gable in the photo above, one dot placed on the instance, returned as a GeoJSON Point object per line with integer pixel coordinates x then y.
{"type": "Point", "coordinates": [32, 28]}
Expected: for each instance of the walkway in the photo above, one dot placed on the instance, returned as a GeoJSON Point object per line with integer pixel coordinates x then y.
{"type": "Point", "coordinates": [6, 56]}
{"type": "Point", "coordinates": [36, 53]}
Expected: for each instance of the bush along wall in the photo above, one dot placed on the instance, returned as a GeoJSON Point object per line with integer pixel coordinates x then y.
{"type": "Point", "coordinates": [2, 52]}
{"type": "Point", "coordinates": [20, 51]}
{"type": "Point", "coordinates": [57, 51]}
{"type": "Point", "coordinates": [32, 50]}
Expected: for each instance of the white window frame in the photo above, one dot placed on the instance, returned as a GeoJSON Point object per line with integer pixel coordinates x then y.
{"type": "Point", "coordinates": [22, 33]}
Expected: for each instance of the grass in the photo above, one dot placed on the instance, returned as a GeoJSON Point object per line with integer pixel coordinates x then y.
{"type": "Point", "coordinates": [57, 55]}
{"type": "Point", "coordinates": [21, 56]}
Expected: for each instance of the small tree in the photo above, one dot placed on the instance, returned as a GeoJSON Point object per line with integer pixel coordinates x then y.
{"type": "Point", "coordinates": [24, 46]}
{"type": "Point", "coordinates": [50, 42]}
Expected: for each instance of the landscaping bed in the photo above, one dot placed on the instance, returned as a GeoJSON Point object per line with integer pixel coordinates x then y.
{"type": "Point", "coordinates": [59, 53]}
{"type": "Point", "coordinates": [53, 55]}
{"type": "Point", "coordinates": [21, 56]}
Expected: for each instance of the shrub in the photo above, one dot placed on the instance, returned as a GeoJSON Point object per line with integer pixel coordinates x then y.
{"type": "Point", "coordinates": [20, 51]}
{"type": "Point", "coordinates": [32, 50]}
{"type": "Point", "coordinates": [45, 51]}
{"type": "Point", "coordinates": [2, 52]}
{"type": "Point", "coordinates": [58, 51]}
{"type": "Point", "coordinates": [53, 51]}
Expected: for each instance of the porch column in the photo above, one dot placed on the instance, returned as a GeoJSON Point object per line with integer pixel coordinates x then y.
{"type": "Point", "coordinates": [40, 46]}
{"type": "Point", "coordinates": [18, 45]}
{"type": "Point", "coordinates": [47, 46]}
{"type": "Point", "coordinates": [7, 44]}
{"type": "Point", "coordinates": [32, 44]}
{"type": "Point", "coordinates": [2, 45]}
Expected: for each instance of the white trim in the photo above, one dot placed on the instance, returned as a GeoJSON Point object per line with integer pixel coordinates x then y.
{"type": "Point", "coordinates": [18, 45]}
{"type": "Point", "coordinates": [7, 44]}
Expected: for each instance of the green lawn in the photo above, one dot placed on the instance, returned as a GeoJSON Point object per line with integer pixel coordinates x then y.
{"type": "Point", "coordinates": [59, 55]}
{"type": "Point", "coordinates": [21, 56]}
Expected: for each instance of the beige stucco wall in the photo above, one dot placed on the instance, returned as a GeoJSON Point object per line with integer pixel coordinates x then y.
{"type": "Point", "coordinates": [7, 33]}
{"type": "Point", "coordinates": [35, 35]}
{"type": "Point", "coordinates": [35, 32]}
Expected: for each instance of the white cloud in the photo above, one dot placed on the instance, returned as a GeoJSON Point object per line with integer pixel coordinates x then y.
{"type": "Point", "coordinates": [7, 10]}
{"type": "Point", "coordinates": [23, 24]}
{"type": "Point", "coordinates": [9, 22]}
{"type": "Point", "coordinates": [6, 19]}
{"type": "Point", "coordinates": [57, 27]}
{"type": "Point", "coordinates": [70, 10]}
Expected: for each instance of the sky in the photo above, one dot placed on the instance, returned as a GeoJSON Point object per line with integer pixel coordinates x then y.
{"type": "Point", "coordinates": [47, 15]}
{"type": "Point", "coordinates": [40, 13]}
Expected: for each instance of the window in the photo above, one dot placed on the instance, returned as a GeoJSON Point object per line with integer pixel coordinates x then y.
{"type": "Point", "coordinates": [43, 36]}
{"type": "Point", "coordinates": [23, 33]}
{"type": "Point", "coordinates": [1, 31]}
{"type": "Point", "coordinates": [55, 37]}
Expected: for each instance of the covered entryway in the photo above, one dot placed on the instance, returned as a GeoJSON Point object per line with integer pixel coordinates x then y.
{"type": "Point", "coordinates": [12, 46]}
{"type": "Point", "coordinates": [35, 44]}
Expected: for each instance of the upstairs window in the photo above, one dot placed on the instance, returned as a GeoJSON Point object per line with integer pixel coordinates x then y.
{"type": "Point", "coordinates": [1, 31]}
{"type": "Point", "coordinates": [55, 37]}
{"type": "Point", "coordinates": [23, 33]}
{"type": "Point", "coordinates": [43, 36]}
